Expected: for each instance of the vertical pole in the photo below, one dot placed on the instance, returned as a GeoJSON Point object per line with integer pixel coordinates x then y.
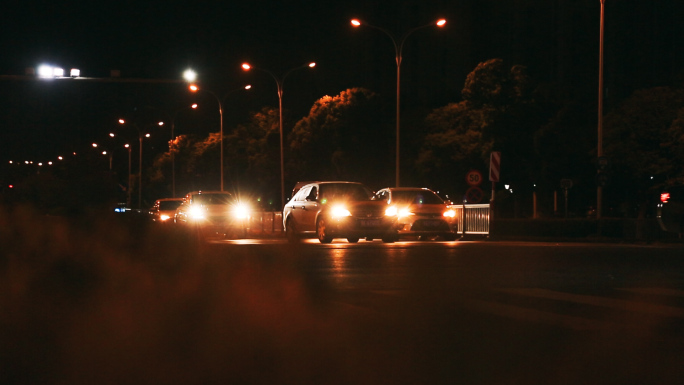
{"type": "Point", "coordinates": [398, 115]}
{"type": "Point", "coordinates": [140, 139]}
{"type": "Point", "coordinates": [599, 189]}
{"type": "Point", "coordinates": [282, 156]}
{"type": "Point", "coordinates": [173, 163]}
{"type": "Point", "coordinates": [128, 195]}
{"type": "Point", "coordinates": [221, 137]}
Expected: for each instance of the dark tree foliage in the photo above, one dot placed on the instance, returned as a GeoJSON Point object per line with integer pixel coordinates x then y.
{"type": "Point", "coordinates": [344, 137]}
{"type": "Point", "coordinates": [498, 113]}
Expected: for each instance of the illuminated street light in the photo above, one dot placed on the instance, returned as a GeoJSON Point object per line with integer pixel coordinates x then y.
{"type": "Point", "coordinates": [190, 75]}
{"type": "Point", "coordinates": [279, 84]}
{"type": "Point", "coordinates": [398, 48]}
{"type": "Point", "coordinates": [195, 88]}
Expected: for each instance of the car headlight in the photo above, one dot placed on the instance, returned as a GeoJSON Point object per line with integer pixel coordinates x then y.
{"type": "Point", "coordinates": [196, 212]}
{"type": "Point", "coordinates": [241, 211]}
{"type": "Point", "coordinates": [450, 213]}
{"type": "Point", "coordinates": [164, 217]}
{"type": "Point", "coordinates": [340, 211]}
{"type": "Point", "coordinates": [398, 212]}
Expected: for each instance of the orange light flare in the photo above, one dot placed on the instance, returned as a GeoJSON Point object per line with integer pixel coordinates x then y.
{"type": "Point", "coordinates": [441, 22]}
{"type": "Point", "coordinates": [193, 87]}
{"type": "Point", "coordinates": [246, 66]}
{"type": "Point", "coordinates": [355, 22]}
{"type": "Point", "coordinates": [194, 105]}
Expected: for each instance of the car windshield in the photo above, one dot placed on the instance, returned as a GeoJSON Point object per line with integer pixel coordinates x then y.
{"type": "Point", "coordinates": [344, 191]}
{"type": "Point", "coordinates": [213, 199]}
{"type": "Point", "coordinates": [169, 205]}
{"type": "Point", "coordinates": [421, 197]}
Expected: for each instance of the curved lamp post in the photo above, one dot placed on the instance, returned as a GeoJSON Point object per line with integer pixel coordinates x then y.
{"type": "Point", "coordinates": [279, 83]}
{"type": "Point", "coordinates": [196, 88]}
{"type": "Point", "coordinates": [398, 48]}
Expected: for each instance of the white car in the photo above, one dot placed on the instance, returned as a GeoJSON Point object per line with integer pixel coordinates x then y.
{"type": "Point", "coordinates": [215, 212]}
{"type": "Point", "coordinates": [331, 210]}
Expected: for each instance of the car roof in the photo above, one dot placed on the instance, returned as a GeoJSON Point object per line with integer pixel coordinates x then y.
{"type": "Point", "coordinates": [300, 185]}
{"type": "Point", "coordinates": [168, 199]}
{"type": "Point", "coordinates": [406, 189]}
{"type": "Point", "coordinates": [200, 192]}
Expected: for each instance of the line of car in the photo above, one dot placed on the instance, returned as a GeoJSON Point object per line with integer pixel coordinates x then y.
{"type": "Point", "coordinates": [326, 210]}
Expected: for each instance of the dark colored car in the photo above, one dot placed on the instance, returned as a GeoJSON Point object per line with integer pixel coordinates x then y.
{"type": "Point", "coordinates": [420, 212]}
{"type": "Point", "coordinates": [164, 210]}
{"type": "Point", "coordinates": [330, 210]}
{"type": "Point", "coordinates": [671, 210]}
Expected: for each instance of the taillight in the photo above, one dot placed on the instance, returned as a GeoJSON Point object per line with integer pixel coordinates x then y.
{"type": "Point", "coordinates": [664, 197]}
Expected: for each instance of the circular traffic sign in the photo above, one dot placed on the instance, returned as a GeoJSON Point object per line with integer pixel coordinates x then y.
{"type": "Point", "coordinates": [474, 195]}
{"type": "Point", "coordinates": [474, 178]}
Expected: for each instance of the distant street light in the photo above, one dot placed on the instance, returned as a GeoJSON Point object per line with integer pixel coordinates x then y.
{"type": "Point", "coordinates": [140, 141]}
{"type": "Point", "coordinates": [195, 88]}
{"type": "Point", "coordinates": [398, 48]}
{"type": "Point", "coordinates": [279, 84]}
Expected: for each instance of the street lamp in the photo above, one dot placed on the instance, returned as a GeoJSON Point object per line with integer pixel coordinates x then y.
{"type": "Point", "coordinates": [140, 142]}
{"type": "Point", "coordinates": [279, 84]}
{"type": "Point", "coordinates": [398, 48]}
{"type": "Point", "coordinates": [172, 119]}
{"type": "Point", "coordinates": [195, 88]}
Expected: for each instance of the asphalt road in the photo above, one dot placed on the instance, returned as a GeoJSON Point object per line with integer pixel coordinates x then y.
{"type": "Point", "coordinates": [483, 312]}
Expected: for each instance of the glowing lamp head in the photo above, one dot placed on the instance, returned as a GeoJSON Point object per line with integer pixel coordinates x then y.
{"type": "Point", "coordinates": [122, 121]}
{"type": "Point", "coordinates": [190, 75]}
{"type": "Point", "coordinates": [193, 87]}
{"type": "Point", "coordinates": [356, 22]}
{"type": "Point", "coordinates": [441, 22]}
{"type": "Point", "coordinates": [194, 105]}
{"type": "Point", "coordinates": [246, 66]}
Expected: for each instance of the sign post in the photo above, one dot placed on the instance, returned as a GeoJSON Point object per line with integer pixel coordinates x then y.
{"type": "Point", "coordinates": [494, 171]}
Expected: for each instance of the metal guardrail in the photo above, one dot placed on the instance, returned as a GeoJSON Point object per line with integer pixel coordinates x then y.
{"type": "Point", "coordinates": [472, 218]}
{"type": "Point", "coordinates": [265, 223]}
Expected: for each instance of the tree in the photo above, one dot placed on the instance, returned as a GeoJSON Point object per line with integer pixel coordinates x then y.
{"type": "Point", "coordinates": [344, 137]}
{"type": "Point", "coordinates": [498, 113]}
{"type": "Point", "coordinates": [642, 139]}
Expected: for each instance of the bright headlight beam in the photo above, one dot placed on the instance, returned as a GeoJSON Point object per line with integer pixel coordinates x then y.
{"type": "Point", "coordinates": [340, 211]}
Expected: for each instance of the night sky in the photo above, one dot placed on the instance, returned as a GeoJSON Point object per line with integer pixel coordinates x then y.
{"type": "Point", "coordinates": [556, 39]}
